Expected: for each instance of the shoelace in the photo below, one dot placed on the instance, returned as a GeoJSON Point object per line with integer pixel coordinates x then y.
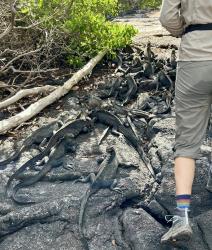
{"type": "Point", "coordinates": [171, 218]}
{"type": "Point", "coordinates": [174, 218]}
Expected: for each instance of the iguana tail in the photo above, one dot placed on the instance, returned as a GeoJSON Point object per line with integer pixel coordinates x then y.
{"type": "Point", "coordinates": [12, 158]}
{"type": "Point", "coordinates": [29, 182]}
{"type": "Point", "coordinates": [146, 161]}
{"type": "Point", "coordinates": [81, 217]}
{"type": "Point", "coordinates": [29, 164]}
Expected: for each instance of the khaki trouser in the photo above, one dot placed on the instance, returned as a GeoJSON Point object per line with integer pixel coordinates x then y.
{"type": "Point", "coordinates": [193, 98]}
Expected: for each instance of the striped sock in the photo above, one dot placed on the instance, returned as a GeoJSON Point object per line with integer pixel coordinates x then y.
{"type": "Point", "coordinates": [183, 201]}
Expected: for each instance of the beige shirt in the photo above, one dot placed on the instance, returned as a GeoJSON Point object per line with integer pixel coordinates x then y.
{"type": "Point", "coordinates": [177, 14]}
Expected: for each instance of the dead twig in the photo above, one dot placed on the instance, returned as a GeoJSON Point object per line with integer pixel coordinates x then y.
{"type": "Point", "coordinates": [31, 71]}
{"type": "Point", "coordinates": [35, 108]}
{"type": "Point", "coordinates": [5, 86]}
{"type": "Point", "coordinates": [26, 92]}
{"type": "Point", "coordinates": [12, 21]}
{"type": "Point", "coordinates": [5, 68]}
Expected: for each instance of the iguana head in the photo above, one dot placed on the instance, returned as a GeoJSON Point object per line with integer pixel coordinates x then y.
{"type": "Point", "coordinates": [69, 143]}
{"type": "Point", "coordinates": [110, 153]}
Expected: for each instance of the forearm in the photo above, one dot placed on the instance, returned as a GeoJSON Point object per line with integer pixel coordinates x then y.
{"type": "Point", "coordinates": [170, 17]}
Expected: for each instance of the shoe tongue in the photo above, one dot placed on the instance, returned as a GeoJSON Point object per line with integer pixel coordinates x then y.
{"type": "Point", "coordinates": [181, 212]}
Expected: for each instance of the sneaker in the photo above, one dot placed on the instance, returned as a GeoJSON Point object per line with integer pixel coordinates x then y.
{"type": "Point", "coordinates": [180, 230]}
{"type": "Point", "coordinates": [209, 183]}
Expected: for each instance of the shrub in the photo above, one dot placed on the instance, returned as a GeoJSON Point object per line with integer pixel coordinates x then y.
{"type": "Point", "coordinates": [84, 23]}
{"type": "Point", "coordinates": [150, 3]}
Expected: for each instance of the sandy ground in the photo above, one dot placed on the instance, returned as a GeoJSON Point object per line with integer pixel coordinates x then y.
{"type": "Point", "coordinates": [151, 30]}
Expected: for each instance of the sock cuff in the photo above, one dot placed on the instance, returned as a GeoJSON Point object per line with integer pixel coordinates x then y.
{"type": "Point", "coordinates": [183, 201]}
{"type": "Point", "coordinates": [183, 196]}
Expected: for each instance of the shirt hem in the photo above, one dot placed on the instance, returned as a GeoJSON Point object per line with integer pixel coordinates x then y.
{"type": "Point", "coordinates": [193, 59]}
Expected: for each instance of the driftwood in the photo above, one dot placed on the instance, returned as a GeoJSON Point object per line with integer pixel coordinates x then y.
{"type": "Point", "coordinates": [12, 21]}
{"type": "Point", "coordinates": [35, 108]}
{"type": "Point", "coordinates": [26, 92]}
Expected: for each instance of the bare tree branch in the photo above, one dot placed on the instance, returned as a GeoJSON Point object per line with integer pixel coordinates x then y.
{"type": "Point", "coordinates": [28, 27]}
{"type": "Point", "coordinates": [7, 50]}
{"type": "Point", "coordinates": [12, 21]}
{"type": "Point", "coordinates": [35, 108]}
{"type": "Point", "coordinates": [5, 68]}
{"type": "Point", "coordinates": [26, 92]}
{"type": "Point", "coordinates": [19, 57]}
{"type": "Point", "coordinates": [31, 71]}
{"type": "Point", "coordinates": [5, 86]}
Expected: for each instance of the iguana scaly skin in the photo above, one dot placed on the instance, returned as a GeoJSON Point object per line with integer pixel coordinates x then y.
{"type": "Point", "coordinates": [109, 119]}
{"type": "Point", "coordinates": [73, 128]}
{"type": "Point", "coordinates": [115, 87]}
{"type": "Point", "coordinates": [37, 137]}
{"type": "Point", "coordinates": [105, 178]}
{"type": "Point", "coordinates": [132, 89]}
{"type": "Point", "coordinates": [173, 61]}
{"type": "Point", "coordinates": [56, 159]}
{"type": "Point", "coordinates": [148, 69]}
{"type": "Point", "coordinates": [148, 54]}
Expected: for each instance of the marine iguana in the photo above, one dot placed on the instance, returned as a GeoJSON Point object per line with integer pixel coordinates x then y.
{"type": "Point", "coordinates": [73, 128]}
{"type": "Point", "coordinates": [56, 158]}
{"type": "Point", "coordinates": [132, 112]}
{"type": "Point", "coordinates": [148, 54]}
{"type": "Point", "coordinates": [115, 87]}
{"type": "Point", "coordinates": [173, 61]}
{"type": "Point", "coordinates": [105, 178]}
{"type": "Point", "coordinates": [148, 69]}
{"type": "Point", "coordinates": [109, 119]}
{"type": "Point", "coordinates": [164, 80]}
{"type": "Point", "coordinates": [132, 88]}
{"type": "Point", "coordinates": [119, 66]}
{"type": "Point", "coordinates": [37, 137]}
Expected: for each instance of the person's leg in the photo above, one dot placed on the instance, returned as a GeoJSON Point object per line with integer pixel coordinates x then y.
{"type": "Point", "coordinates": [184, 176]}
{"type": "Point", "coordinates": [184, 171]}
{"type": "Point", "coordinates": [192, 96]}
{"type": "Point", "coordinates": [209, 182]}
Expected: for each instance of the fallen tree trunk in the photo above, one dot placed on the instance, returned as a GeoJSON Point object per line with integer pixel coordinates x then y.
{"type": "Point", "coordinates": [26, 92]}
{"type": "Point", "coordinates": [35, 108]}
